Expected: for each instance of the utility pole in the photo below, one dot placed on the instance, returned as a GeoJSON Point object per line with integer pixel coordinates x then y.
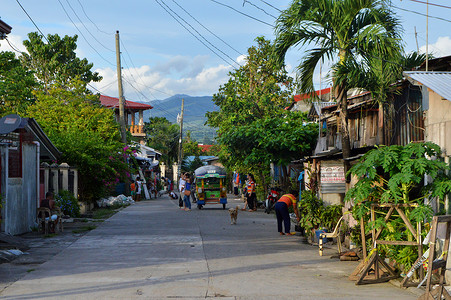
{"type": "Point", "coordinates": [180, 140]}
{"type": "Point", "coordinates": [427, 35]}
{"type": "Point", "coordinates": [416, 39]}
{"type": "Point", "coordinates": [121, 92]}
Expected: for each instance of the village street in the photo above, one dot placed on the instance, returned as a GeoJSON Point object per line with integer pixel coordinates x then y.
{"type": "Point", "coordinates": [154, 250]}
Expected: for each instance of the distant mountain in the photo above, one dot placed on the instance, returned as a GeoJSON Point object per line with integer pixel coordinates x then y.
{"type": "Point", "coordinates": [193, 116]}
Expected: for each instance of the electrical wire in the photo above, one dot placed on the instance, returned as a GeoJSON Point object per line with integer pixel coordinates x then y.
{"type": "Point", "coordinates": [421, 14]}
{"type": "Point", "coordinates": [207, 28]}
{"type": "Point", "coordinates": [83, 9]}
{"type": "Point", "coordinates": [173, 12]}
{"type": "Point", "coordinates": [109, 49]}
{"type": "Point", "coordinates": [13, 46]}
{"type": "Point", "coordinates": [84, 35]}
{"type": "Point", "coordinates": [270, 5]}
{"type": "Point", "coordinates": [33, 21]}
{"type": "Point", "coordinates": [429, 3]}
{"type": "Point", "coordinates": [234, 9]}
{"type": "Point", "coordinates": [259, 8]}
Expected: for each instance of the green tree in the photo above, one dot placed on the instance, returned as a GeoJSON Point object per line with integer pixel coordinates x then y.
{"type": "Point", "coordinates": [86, 133]}
{"type": "Point", "coordinates": [163, 136]}
{"type": "Point", "coordinates": [56, 62]}
{"type": "Point", "coordinates": [16, 84]}
{"type": "Point", "coordinates": [348, 29]}
{"type": "Point", "coordinates": [253, 127]}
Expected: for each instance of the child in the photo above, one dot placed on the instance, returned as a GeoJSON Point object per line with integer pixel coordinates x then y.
{"type": "Point", "coordinates": [133, 189]}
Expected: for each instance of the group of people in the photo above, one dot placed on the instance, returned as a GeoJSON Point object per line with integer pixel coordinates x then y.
{"type": "Point", "coordinates": [136, 189]}
{"type": "Point", "coordinates": [185, 185]}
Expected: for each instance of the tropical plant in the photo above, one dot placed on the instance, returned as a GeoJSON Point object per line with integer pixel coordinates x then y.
{"type": "Point", "coordinates": [350, 30]}
{"type": "Point", "coordinates": [395, 175]}
{"type": "Point", "coordinates": [163, 136]}
{"type": "Point", "coordinates": [68, 203]}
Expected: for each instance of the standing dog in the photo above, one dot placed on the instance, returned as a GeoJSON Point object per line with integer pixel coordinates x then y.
{"type": "Point", "coordinates": [233, 215]}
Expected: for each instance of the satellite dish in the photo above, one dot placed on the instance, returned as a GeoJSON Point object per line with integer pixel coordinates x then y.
{"type": "Point", "coordinates": [9, 123]}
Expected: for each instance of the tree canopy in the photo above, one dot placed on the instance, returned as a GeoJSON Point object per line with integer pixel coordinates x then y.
{"type": "Point", "coordinates": [350, 30]}
{"type": "Point", "coordinates": [85, 132]}
{"type": "Point", "coordinates": [254, 129]}
{"type": "Point", "coordinates": [56, 62]}
{"type": "Point", "coordinates": [16, 85]}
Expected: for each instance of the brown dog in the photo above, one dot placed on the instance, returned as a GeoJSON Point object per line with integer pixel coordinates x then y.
{"type": "Point", "coordinates": [233, 214]}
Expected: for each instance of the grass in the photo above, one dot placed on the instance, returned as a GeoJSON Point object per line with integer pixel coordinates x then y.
{"type": "Point", "coordinates": [50, 235]}
{"type": "Point", "coordinates": [84, 229]}
{"type": "Point", "coordinates": [106, 212]}
{"type": "Point", "coordinates": [30, 270]}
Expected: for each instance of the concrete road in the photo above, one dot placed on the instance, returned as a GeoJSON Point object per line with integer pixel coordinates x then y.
{"type": "Point", "coordinates": [153, 250]}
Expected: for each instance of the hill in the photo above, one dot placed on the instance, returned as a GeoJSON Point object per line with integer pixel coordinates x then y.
{"type": "Point", "coordinates": [193, 116]}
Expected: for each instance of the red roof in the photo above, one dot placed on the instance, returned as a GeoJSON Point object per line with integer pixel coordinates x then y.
{"type": "Point", "coordinates": [114, 103]}
{"type": "Point", "coordinates": [205, 148]}
{"type": "Point", "coordinates": [307, 95]}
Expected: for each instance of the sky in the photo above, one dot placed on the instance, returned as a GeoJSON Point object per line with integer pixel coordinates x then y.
{"type": "Point", "coordinates": [188, 47]}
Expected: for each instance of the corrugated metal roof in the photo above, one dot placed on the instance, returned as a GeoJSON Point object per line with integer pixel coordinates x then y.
{"type": "Point", "coordinates": [439, 82]}
{"type": "Point", "coordinates": [112, 102]}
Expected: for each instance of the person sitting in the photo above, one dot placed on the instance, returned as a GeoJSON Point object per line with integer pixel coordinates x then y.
{"type": "Point", "coordinates": [49, 202]}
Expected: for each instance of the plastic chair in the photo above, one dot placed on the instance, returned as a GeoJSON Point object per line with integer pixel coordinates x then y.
{"type": "Point", "coordinates": [43, 214]}
{"type": "Point", "coordinates": [334, 234]}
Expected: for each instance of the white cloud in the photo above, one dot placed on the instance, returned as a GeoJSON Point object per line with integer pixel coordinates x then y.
{"type": "Point", "coordinates": [15, 41]}
{"type": "Point", "coordinates": [442, 47]}
{"type": "Point", "coordinates": [180, 75]}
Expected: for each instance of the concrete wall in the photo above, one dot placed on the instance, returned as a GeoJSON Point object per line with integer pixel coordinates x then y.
{"type": "Point", "coordinates": [4, 180]}
{"type": "Point", "coordinates": [438, 122]}
{"type": "Point", "coordinates": [20, 205]}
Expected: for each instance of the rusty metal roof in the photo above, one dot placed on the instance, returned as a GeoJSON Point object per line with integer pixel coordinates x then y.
{"type": "Point", "coordinates": [439, 82]}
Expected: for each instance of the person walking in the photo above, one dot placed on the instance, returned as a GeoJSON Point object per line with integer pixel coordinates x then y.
{"type": "Point", "coordinates": [187, 192]}
{"type": "Point", "coordinates": [139, 185]}
{"type": "Point", "coordinates": [251, 196]}
{"type": "Point", "coordinates": [181, 188]}
{"type": "Point", "coordinates": [282, 214]}
{"type": "Point", "coordinates": [133, 189]}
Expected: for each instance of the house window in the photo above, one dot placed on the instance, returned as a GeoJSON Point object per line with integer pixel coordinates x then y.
{"type": "Point", "coordinates": [15, 155]}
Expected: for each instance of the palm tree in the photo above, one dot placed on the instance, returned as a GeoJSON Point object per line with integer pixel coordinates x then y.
{"type": "Point", "coordinates": [350, 30]}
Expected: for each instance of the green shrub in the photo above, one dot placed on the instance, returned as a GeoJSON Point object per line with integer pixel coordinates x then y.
{"type": "Point", "coordinates": [68, 203]}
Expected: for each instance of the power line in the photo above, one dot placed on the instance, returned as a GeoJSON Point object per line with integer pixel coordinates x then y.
{"type": "Point", "coordinates": [429, 3]}
{"type": "Point", "coordinates": [12, 46]}
{"type": "Point", "coordinates": [270, 5]}
{"type": "Point", "coordinates": [207, 28]}
{"type": "Point", "coordinates": [259, 8]}
{"type": "Point", "coordinates": [421, 14]}
{"type": "Point", "coordinates": [242, 13]}
{"type": "Point", "coordinates": [109, 49]}
{"type": "Point", "coordinates": [84, 35]}
{"type": "Point", "coordinates": [198, 34]}
{"type": "Point", "coordinates": [92, 21]}
{"type": "Point", "coordinates": [33, 21]}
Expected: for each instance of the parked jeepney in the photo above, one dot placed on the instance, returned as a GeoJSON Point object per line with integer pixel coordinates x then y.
{"type": "Point", "coordinates": [211, 186]}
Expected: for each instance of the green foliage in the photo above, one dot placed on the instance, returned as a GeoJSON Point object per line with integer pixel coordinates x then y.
{"type": "Point", "coordinates": [192, 165]}
{"type": "Point", "coordinates": [87, 135]}
{"type": "Point", "coordinates": [395, 174]}
{"type": "Point", "coordinates": [253, 103]}
{"type": "Point", "coordinates": [313, 213]}
{"type": "Point", "coordinates": [56, 62]}
{"type": "Point", "coordinates": [68, 203]}
{"type": "Point", "coordinates": [16, 85]}
{"type": "Point", "coordinates": [163, 136]}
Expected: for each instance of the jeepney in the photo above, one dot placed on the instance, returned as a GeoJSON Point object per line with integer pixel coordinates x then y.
{"type": "Point", "coordinates": [211, 187]}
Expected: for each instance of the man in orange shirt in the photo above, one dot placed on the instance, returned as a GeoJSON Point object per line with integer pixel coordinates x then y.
{"type": "Point", "coordinates": [282, 213]}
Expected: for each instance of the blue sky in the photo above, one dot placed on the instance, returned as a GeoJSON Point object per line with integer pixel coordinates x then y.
{"type": "Point", "coordinates": [161, 58]}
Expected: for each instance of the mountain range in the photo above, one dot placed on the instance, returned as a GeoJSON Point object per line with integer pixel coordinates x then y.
{"type": "Point", "coordinates": [194, 118]}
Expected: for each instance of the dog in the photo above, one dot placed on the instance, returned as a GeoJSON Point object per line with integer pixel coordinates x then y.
{"type": "Point", "coordinates": [233, 215]}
